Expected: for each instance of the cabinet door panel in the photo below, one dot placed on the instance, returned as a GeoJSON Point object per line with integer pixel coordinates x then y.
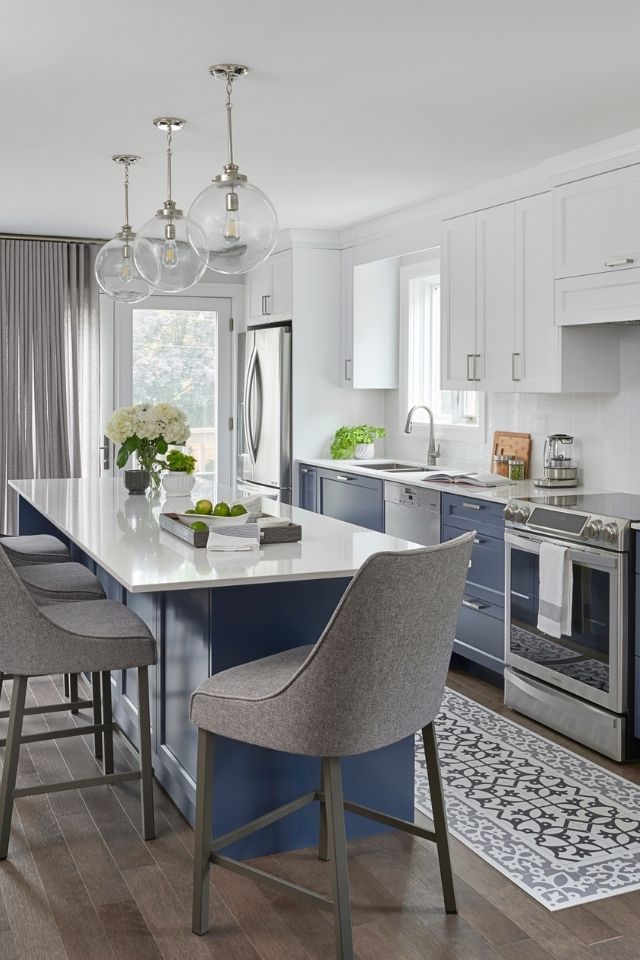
{"type": "Point", "coordinates": [495, 297]}
{"type": "Point", "coordinates": [597, 223]}
{"type": "Point", "coordinates": [537, 346]}
{"type": "Point", "coordinates": [351, 499]}
{"type": "Point", "coordinates": [458, 280]}
{"type": "Point", "coordinates": [259, 288]}
{"type": "Point", "coordinates": [307, 479]}
{"type": "Point", "coordinates": [280, 295]}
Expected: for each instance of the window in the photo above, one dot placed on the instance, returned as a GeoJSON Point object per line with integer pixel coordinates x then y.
{"type": "Point", "coordinates": [420, 306]}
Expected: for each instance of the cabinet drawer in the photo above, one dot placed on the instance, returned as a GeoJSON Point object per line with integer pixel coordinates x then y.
{"type": "Point", "coordinates": [466, 513]}
{"type": "Point", "coordinates": [485, 579]}
{"type": "Point", "coordinates": [351, 498]}
{"type": "Point", "coordinates": [480, 636]}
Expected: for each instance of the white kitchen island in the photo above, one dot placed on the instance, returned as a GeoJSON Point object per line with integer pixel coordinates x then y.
{"type": "Point", "coordinates": [210, 611]}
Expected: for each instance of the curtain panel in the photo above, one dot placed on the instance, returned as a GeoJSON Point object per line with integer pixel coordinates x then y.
{"type": "Point", "coordinates": [49, 364]}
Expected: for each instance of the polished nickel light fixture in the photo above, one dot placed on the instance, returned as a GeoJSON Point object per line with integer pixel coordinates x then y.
{"type": "Point", "coordinates": [115, 269]}
{"type": "Point", "coordinates": [239, 221]}
{"type": "Point", "coordinates": [170, 250]}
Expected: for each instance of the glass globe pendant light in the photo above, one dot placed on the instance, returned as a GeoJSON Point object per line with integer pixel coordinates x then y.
{"type": "Point", "coordinates": [170, 250]}
{"type": "Point", "coordinates": [239, 221]}
{"type": "Point", "coordinates": [114, 268]}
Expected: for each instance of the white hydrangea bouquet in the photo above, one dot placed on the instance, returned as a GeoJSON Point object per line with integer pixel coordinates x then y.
{"type": "Point", "coordinates": [147, 430]}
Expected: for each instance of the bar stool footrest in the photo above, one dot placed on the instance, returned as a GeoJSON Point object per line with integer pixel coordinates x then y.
{"type": "Point", "coordinates": [109, 778]}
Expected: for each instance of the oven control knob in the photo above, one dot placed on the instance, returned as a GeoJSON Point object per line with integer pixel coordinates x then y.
{"type": "Point", "coordinates": [522, 514]}
{"type": "Point", "coordinates": [592, 530]}
{"type": "Point", "coordinates": [610, 532]}
{"type": "Point", "coordinates": [510, 511]}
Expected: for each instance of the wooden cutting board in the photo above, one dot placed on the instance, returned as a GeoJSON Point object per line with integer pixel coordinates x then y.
{"type": "Point", "coordinates": [513, 444]}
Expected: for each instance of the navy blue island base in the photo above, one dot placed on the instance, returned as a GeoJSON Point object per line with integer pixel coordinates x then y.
{"type": "Point", "coordinates": [203, 631]}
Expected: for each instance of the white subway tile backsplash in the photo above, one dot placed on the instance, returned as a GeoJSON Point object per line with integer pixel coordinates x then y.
{"type": "Point", "coordinates": [606, 427]}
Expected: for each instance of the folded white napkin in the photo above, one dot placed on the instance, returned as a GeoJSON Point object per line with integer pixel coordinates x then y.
{"type": "Point", "coordinates": [245, 536]}
{"type": "Point", "coordinates": [555, 590]}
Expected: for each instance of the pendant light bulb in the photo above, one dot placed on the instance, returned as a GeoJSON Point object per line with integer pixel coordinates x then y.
{"type": "Point", "coordinates": [170, 250]}
{"type": "Point", "coordinates": [238, 220]}
{"type": "Point", "coordinates": [115, 269]}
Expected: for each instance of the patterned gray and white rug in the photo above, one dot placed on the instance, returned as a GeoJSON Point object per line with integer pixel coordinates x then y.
{"type": "Point", "coordinates": [560, 827]}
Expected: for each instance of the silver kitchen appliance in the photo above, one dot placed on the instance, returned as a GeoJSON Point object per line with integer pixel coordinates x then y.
{"type": "Point", "coordinates": [580, 685]}
{"type": "Point", "coordinates": [560, 469]}
{"type": "Point", "coordinates": [412, 513]}
{"type": "Point", "coordinates": [264, 411]}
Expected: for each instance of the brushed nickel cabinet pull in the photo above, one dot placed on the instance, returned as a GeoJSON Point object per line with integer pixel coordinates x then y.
{"type": "Point", "coordinates": [471, 506]}
{"type": "Point", "coordinates": [476, 356]}
{"type": "Point", "coordinates": [514, 357]}
{"type": "Point", "coordinates": [474, 606]}
{"type": "Point", "coordinates": [469, 375]}
{"type": "Point", "coordinates": [619, 263]}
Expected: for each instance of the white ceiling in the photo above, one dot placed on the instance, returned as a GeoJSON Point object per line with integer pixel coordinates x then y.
{"type": "Point", "coordinates": [353, 108]}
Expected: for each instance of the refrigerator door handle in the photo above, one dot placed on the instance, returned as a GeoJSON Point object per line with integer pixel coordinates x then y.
{"type": "Point", "coordinates": [246, 404]}
{"type": "Point", "coordinates": [257, 433]}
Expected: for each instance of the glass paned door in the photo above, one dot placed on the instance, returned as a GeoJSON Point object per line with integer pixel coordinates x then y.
{"type": "Point", "coordinates": [179, 350]}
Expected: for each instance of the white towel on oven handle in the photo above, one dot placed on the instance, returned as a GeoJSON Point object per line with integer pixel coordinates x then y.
{"type": "Point", "coordinates": [555, 596]}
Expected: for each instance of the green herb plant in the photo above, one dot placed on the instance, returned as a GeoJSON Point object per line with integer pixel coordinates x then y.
{"type": "Point", "coordinates": [347, 438]}
{"type": "Point", "coordinates": [178, 462]}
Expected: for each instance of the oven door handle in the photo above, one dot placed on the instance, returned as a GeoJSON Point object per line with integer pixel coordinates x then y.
{"type": "Point", "coordinates": [530, 543]}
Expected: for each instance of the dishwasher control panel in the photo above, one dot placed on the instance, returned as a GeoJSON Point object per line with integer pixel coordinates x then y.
{"type": "Point", "coordinates": [409, 496]}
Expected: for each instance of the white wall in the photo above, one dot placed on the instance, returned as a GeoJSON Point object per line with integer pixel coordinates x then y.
{"type": "Point", "coordinates": [607, 426]}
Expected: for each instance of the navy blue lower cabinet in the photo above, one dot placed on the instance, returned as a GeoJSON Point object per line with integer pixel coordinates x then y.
{"type": "Point", "coordinates": [480, 628]}
{"type": "Point", "coordinates": [352, 498]}
{"type": "Point", "coordinates": [307, 487]}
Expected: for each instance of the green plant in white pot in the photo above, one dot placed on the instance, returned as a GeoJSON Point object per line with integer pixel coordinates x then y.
{"type": "Point", "coordinates": [358, 442]}
{"type": "Point", "coordinates": [179, 480]}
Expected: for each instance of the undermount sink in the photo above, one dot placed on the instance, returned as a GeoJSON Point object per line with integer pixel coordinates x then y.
{"type": "Point", "coordinates": [393, 467]}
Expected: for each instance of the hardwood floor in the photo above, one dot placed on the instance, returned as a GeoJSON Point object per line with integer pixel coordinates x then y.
{"type": "Point", "coordinates": [81, 884]}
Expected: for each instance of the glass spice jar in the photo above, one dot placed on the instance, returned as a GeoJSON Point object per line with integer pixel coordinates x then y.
{"type": "Point", "coordinates": [516, 468]}
{"type": "Point", "coordinates": [500, 465]}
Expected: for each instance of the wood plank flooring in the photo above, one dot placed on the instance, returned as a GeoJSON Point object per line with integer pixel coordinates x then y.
{"type": "Point", "coordinates": [80, 883]}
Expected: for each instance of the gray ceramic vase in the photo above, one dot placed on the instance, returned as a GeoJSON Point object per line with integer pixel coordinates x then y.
{"type": "Point", "coordinates": [137, 481]}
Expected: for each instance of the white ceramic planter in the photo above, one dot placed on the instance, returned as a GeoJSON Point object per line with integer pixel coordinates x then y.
{"type": "Point", "coordinates": [178, 484]}
{"type": "Point", "coordinates": [364, 451]}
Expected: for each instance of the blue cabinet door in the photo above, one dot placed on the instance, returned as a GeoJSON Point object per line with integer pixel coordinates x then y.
{"type": "Point", "coordinates": [307, 483]}
{"type": "Point", "coordinates": [352, 498]}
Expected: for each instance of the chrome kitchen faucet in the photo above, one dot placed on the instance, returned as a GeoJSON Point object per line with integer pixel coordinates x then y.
{"type": "Point", "coordinates": [433, 450]}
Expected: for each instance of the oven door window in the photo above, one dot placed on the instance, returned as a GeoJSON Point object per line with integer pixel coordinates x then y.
{"type": "Point", "coordinates": [585, 656]}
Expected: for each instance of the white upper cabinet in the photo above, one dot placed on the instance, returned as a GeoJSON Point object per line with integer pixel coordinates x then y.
{"type": "Point", "coordinates": [597, 223]}
{"type": "Point", "coordinates": [270, 289]}
{"type": "Point", "coordinates": [498, 326]}
{"type": "Point", "coordinates": [458, 302]}
{"type": "Point", "coordinates": [535, 362]}
{"type": "Point", "coordinates": [495, 297]}
{"type": "Point", "coordinates": [371, 296]}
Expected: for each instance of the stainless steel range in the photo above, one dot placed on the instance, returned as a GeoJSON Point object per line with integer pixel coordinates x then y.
{"type": "Point", "coordinates": [578, 684]}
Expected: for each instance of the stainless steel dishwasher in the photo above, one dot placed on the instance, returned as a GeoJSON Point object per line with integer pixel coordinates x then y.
{"type": "Point", "coordinates": [412, 513]}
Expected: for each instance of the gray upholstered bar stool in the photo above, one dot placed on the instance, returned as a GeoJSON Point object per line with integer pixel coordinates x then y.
{"type": "Point", "coordinates": [96, 636]}
{"type": "Point", "coordinates": [44, 565]}
{"type": "Point", "coordinates": [375, 676]}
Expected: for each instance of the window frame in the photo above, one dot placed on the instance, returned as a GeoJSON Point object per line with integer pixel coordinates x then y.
{"type": "Point", "coordinates": [471, 433]}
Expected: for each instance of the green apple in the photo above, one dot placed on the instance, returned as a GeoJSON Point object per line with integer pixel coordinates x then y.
{"type": "Point", "coordinates": [237, 510]}
{"type": "Point", "coordinates": [199, 526]}
{"type": "Point", "coordinates": [221, 509]}
{"type": "Point", "coordinates": [204, 506]}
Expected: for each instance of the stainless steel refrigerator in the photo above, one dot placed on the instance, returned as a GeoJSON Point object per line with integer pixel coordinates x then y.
{"type": "Point", "coordinates": [264, 411]}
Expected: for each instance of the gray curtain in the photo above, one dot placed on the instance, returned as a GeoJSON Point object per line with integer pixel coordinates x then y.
{"type": "Point", "coordinates": [49, 364]}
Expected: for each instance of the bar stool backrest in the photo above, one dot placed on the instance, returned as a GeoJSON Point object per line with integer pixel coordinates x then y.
{"type": "Point", "coordinates": [377, 673]}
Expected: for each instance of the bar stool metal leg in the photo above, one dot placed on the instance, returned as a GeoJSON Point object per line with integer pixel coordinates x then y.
{"type": "Point", "coordinates": [430, 742]}
{"type": "Point", "coordinates": [338, 855]}
{"type": "Point", "coordinates": [204, 829]}
{"type": "Point", "coordinates": [107, 717]}
{"type": "Point", "coordinates": [144, 735]}
{"type": "Point", "coordinates": [65, 685]}
{"type": "Point", "coordinates": [73, 690]}
{"type": "Point", "coordinates": [11, 756]}
{"type": "Point", "coordinates": [97, 713]}
{"type": "Point", "coordinates": [323, 852]}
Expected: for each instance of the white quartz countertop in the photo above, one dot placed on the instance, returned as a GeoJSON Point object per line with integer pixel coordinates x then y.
{"type": "Point", "coordinates": [501, 494]}
{"type": "Point", "coordinates": [122, 534]}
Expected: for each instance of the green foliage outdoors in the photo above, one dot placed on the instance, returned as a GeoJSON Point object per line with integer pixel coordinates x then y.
{"type": "Point", "coordinates": [174, 361]}
{"type": "Point", "coordinates": [346, 439]}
